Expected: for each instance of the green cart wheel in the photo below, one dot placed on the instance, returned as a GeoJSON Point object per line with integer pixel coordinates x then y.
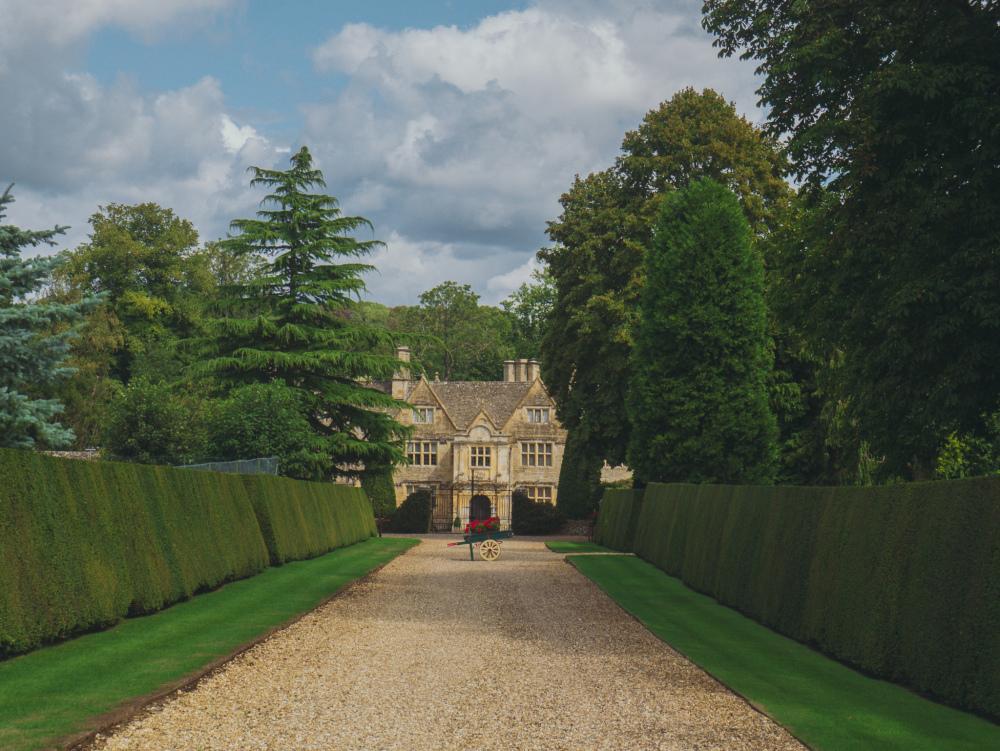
{"type": "Point", "coordinates": [489, 550]}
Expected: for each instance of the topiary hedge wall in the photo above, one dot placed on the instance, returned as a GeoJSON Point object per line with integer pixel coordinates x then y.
{"type": "Point", "coordinates": [305, 519]}
{"type": "Point", "coordinates": [84, 544]}
{"type": "Point", "coordinates": [901, 581]}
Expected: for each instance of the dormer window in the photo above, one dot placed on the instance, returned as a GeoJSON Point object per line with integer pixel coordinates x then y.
{"type": "Point", "coordinates": [537, 415]}
{"type": "Point", "coordinates": [423, 415]}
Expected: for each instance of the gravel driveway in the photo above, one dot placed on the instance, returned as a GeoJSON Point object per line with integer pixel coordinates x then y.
{"type": "Point", "coordinates": [438, 652]}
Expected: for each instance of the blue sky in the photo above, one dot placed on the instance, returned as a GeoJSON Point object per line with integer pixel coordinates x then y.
{"type": "Point", "coordinates": [453, 127]}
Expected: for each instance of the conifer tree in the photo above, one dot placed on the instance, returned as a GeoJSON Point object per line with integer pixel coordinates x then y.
{"type": "Point", "coordinates": [29, 360]}
{"type": "Point", "coordinates": [291, 325]}
{"type": "Point", "coordinates": [698, 398]}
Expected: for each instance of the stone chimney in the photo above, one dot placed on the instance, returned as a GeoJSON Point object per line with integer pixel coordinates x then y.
{"type": "Point", "coordinates": [402, 376]}
{"type": "Point", "coordinates": [508, 371]}
{"type": "Point", "coordinates": [533, 371]}
{"type": "Point", "coordinates": [520, 371]}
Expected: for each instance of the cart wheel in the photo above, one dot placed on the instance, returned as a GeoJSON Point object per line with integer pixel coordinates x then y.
{"type": "Point", "coordinates": [489, 550]}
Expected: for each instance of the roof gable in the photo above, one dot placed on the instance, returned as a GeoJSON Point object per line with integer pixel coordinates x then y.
{"type": "Point", "coordinates": [464, 401]}
{"type": "Point", "coordinates": [535, 396]}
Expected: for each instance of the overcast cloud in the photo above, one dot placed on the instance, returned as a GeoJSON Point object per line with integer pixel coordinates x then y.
{"type": "Point", "coordinates": [456, 142]}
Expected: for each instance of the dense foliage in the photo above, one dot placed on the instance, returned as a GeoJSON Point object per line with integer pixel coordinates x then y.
{"type": "Point", "coordinates": [31, 356]}
{"type": "Point", "coordinates": [85, 544]}
{"type": "Point", "coordinates": [579, 485]}
{"type": "Point", "coordinates": [413, 515]}
{"type": "Point", "coordinates": [697, 398]}
{"type": "Point", "coordinates": [890, 111]}
{"type": "Point", "coordinates": [380, 490]}
{"type": "Point", "coordinates": [458, 339]}
{"type": "Point", "coordinates": [529, 517]}
{"type": "Point", "coordinates": [601, 239]}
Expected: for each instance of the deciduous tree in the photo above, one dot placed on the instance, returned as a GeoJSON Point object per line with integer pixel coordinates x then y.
{"type": "Point", "coordinates": [893, 108]}
{"type": "Point", "coordinates": [600, 242]}
{"type": "Point", "coordinates": [461, 339]}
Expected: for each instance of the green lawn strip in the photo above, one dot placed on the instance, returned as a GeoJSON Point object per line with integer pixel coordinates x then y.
{"type": "Point", "coordinates": [826, 705]}
{"type": "Point", "coordinates": [578, 547]}
{"type": "Point", "coordinates": [52, 693]}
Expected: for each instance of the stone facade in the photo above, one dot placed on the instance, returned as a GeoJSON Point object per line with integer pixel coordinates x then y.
{"type": "Point", "coordinates": [477, 442]}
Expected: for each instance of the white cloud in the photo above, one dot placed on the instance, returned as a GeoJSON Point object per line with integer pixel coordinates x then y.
{"type": "Point", "coordinates": [456, 143]}
{"type": "Point", "coordinates": [407, 268]}
{"type": "Point", "coordinates": [466, 138]}
{"type": "Point", "coordinates": [501, 286]}
{"type": "Point", "coordinates": [62, 22]}
{"type": "Point", "coordinates": [180, 149]}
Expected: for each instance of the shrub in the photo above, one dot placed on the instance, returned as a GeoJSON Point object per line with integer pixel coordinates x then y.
{"type": "Point", "coordinates": [530, 518]}
{"type": "Point", "coordinates": [413, 515]}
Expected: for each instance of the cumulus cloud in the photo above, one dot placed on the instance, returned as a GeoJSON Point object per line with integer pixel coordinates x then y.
{"type": "Point", "coordinates": [467, 137]}
{"type": "Point", "coordinates": [57, 23]}
{"type": "Point", "coordinates": [455, 142]}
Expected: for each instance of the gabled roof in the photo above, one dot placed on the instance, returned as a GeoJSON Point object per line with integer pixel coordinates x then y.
{"type": "Point", "coordinates": [534, 396]}
{"type": "Point", "coordinates": [464, 400]}
{"type": "Point", "coordinates": [422, 394]}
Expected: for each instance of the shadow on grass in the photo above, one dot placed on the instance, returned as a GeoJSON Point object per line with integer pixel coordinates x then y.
{"type": "Point", "coordinates": [578, 547]}
{"type": "Point", "coordinates": [66, 692]}
{"type": "Point", "coordinates": [826, 705]}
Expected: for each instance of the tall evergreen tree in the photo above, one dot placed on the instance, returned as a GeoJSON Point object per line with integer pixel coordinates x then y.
{"type": "Point", "coordinates": [291, 325]}
{"type": "Point", "coordinates": [601, 239]}
{"type": "Point", "coordinates": [29, 361]}
{"type": "Point", "coordinates": [698, 398]}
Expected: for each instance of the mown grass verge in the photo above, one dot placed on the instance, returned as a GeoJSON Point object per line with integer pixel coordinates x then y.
{"type": "Point", "coordinates": [578, 547]}
{"type": "Point", "coordinates": [826, 705]}
{"type": "Point", "coordinates": [58, 692]}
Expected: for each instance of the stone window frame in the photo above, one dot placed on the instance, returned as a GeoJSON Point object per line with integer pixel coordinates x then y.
{"type": "Point", "coordinates": [423, 415]}
{"type": "Point", "coordinates": [422, 453]}
{"type": "Point", "coordinates": [537, 415]}
{"type": "Point", "coordinates": [480, 457]}
{"type": "Point", "coordinates": [536, 454]}
{"type": "Point", "coordinates": [539, 493]}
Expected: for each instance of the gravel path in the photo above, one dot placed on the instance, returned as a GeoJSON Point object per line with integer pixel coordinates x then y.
{"type": "Point", "coordinates": [394, 663]}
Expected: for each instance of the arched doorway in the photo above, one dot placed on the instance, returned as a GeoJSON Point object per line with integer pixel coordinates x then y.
{"type": "Point", "coordinates": [480, 508]}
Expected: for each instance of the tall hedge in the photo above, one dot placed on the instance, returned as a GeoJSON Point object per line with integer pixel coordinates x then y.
{"type": "Point", "coordinates": [902, 581]}
{"type": "Point", "coordinates": [618, 519]}
{"type": "Point", "coordinates": [301, 520]}
{"type": "Point", "coordinates": [84, 544]}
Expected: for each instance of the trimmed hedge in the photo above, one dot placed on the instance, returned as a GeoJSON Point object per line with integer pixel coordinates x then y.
{"type": "Point", "coordinates": [618, 518]}
{"type": "Point", "coordinates": [901, 582]}
{"type": "Point", "coordinates": [84, 544]}
{"type": "Point", "coordinates": [305, 519]}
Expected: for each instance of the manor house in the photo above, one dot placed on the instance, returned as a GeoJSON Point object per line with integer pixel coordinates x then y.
{"type": "Point", "coordinates": [476, 442]}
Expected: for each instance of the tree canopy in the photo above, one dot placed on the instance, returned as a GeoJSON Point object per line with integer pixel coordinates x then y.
{"type": "Point", "coordinates": [697, 399]}
{"type": "Point", "coordinates": [890, 110]}
{"type": "Point", "coordinates": [601, 239]}
{"type": "Point", "coordinates": [457, 338]}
